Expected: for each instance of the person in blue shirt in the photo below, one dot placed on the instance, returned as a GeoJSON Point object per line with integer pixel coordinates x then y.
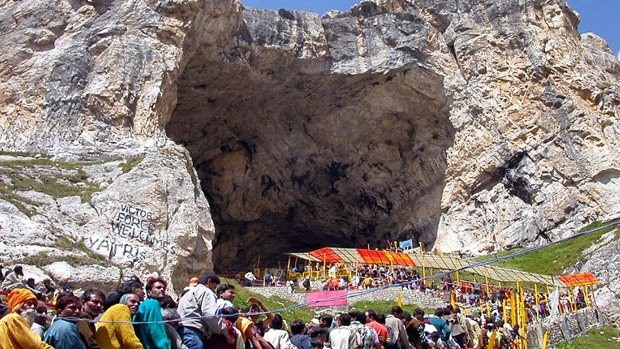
{"type": "Point", "coordinates": [442, 325]}
{"type": "Point", "coordinates": [152, 335]}
{"type": "Point", "coordinates": [64, 334]}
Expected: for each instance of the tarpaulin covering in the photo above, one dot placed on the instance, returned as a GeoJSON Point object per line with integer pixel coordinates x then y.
{"type": "Point", "coordinates": [326, 254]}
{"type": "Point", "coordinates": [322, 299]}
{"type": "Point", "coordinates": [583, 279]}
{"type": "Point", "coordinates": [357, 255]}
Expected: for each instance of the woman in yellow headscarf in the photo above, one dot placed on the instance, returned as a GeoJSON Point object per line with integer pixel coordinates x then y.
{"type": "Point", "coordinates": [15, 332]}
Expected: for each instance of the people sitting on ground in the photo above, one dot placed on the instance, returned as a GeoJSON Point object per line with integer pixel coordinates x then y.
{"type": "Point", "coordinates": [13, 279]}
{"type": "Point", "coordinates": [92, 305]}
{"type": "Point", "coordinates": [153, 334]}
{"type": "Point", "coordinates": [115, 331]}
{"type": "Point", "coordinates": [226, 296]}
{"type": "Point", "coordinates": [15, 327]}
{"type": "Point", "coordinates": [46, 288]}
{"type": "Point", "coordinates": [64, 333]}
{"type": "Point", "coordinates": [249, 279]}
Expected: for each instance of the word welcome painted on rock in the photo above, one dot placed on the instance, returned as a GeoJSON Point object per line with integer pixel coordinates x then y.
{"type": "Point", "coordinates": [135, 223]}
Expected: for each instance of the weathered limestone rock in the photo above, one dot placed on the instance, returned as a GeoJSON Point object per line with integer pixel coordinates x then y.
{"type": "Point", "coordinates": [84, 277]}
{"type": "Point", "coordinates": [151, 217]}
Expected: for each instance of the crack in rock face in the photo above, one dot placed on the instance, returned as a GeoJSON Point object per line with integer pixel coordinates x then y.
{"type": "Point", "coordinates": [293, 158]}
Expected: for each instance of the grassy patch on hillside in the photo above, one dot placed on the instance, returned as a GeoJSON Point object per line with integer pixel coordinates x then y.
{"type": "Point", "coordinates": [54, 178]}
{"type": "Point", "coordinates": [63, 243]}
{"type": "Point", "coordinates": [273, 303]}
{"type": "Point", "coordinates": [603, 337]}
{"type": "Point", "coordinates": [130, 163]}
{"type": "Point", "coordinates": [553, 260]}
{"type": "Point", "coordinates": [306, 313]}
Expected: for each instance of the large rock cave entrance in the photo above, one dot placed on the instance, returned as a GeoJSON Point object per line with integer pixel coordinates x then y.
{"type": "Point", "coordinates": [293, 158]}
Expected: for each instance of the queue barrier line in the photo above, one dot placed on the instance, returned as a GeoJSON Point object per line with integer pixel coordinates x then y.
{"type": "Point", "coordinates": [366, 291]}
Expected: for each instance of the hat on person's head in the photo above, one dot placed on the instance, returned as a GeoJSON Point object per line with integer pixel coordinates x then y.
{"type": "Point", "coordinates": [66, 288]}
{"type": "Point", "coordinates": [18, 297]}
{"type": "Point", "coordinates": [193, 281]}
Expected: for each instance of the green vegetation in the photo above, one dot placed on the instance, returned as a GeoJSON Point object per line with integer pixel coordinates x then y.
{"type": "Point", "coordinates": [553, 260]}
{"type": "Point", "coordinates": [242, 295]}
{"type": "Point", "coordinates": [130, 163]}
{"type": "Point", "coordinates": [63, 243]}
{"type": "Point", "coordinates": [305, 313]}
{"type": "Point", "coordinates": [55, 178]}
{"type": "Point", "coordinates": [23, 154]}
{"type": "Point", "coordinates": [603, 337]}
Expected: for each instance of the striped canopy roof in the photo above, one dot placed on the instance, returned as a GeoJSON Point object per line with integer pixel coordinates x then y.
{"type": "Point", "coordinates": [356, 255]}
{"type": "Point", "coordinates": [428, 260]}
{"type": "Point", "coordinates": [583, 279]}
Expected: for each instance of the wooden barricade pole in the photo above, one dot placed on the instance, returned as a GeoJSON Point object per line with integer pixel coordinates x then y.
{"type": "Point", "coordinates": [324, 266]}
{"type": "Point", "coordinates": [537, 300]}
{"type": "Point", "coordinates": [571, 298]}
{"type": "Point", "coordinates": [288, 267]}
{"type": "Point", "coordinates": [593, 297]}
{"type": "Point", "coordinates": [523, 327]}
{"type": "Point", "coordinates": [504, 311]}
{"type": "Point", "coordinates": [586, 295]}
{"type": "Point", "coordinates": [545, 340]}
{"type": "Point", "coordinates": [513, 308]}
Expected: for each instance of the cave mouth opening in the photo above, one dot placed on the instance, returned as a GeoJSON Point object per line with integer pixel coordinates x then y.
{"type": "Point", "coordinates": [293, 158]}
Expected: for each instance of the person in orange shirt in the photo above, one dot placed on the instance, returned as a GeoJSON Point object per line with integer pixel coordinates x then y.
{"type": "Point", "coordinates": [15, 330]}
{"type": "Point", "coordinates": [382, 331]}
{"type": "Point", "coordinates": [330, 285]}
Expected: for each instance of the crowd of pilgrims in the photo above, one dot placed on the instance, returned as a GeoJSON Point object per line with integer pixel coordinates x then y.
{"type": "Point", "coordinates": [139, 315]}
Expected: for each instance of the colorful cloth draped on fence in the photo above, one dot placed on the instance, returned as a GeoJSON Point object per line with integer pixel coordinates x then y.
{"type": "Point", "coordinates": [325, 298]}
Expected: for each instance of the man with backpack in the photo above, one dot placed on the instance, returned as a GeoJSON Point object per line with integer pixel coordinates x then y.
{"type": "Point", "coordinates": [367, 336]}
{"type": "Point", "coordinates": [394, 323]}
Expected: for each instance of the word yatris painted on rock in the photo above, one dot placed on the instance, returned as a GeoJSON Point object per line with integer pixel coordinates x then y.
{"type": "Point", "coordinates": [135, 223]}
{"type": "Point", "coordinates": [112, 249]}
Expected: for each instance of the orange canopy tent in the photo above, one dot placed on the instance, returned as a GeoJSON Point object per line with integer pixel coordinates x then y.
{"type": "Point", "coordinates": [583, 279]}
{"type": "Point", "coordinates": [357, 255]}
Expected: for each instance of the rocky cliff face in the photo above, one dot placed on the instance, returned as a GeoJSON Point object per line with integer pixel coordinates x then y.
{"type": "Point", "coordinates": [443, 121]}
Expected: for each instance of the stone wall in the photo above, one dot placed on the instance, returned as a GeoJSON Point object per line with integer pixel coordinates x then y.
{"type": "Point", "coordinates": [426, 301]}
